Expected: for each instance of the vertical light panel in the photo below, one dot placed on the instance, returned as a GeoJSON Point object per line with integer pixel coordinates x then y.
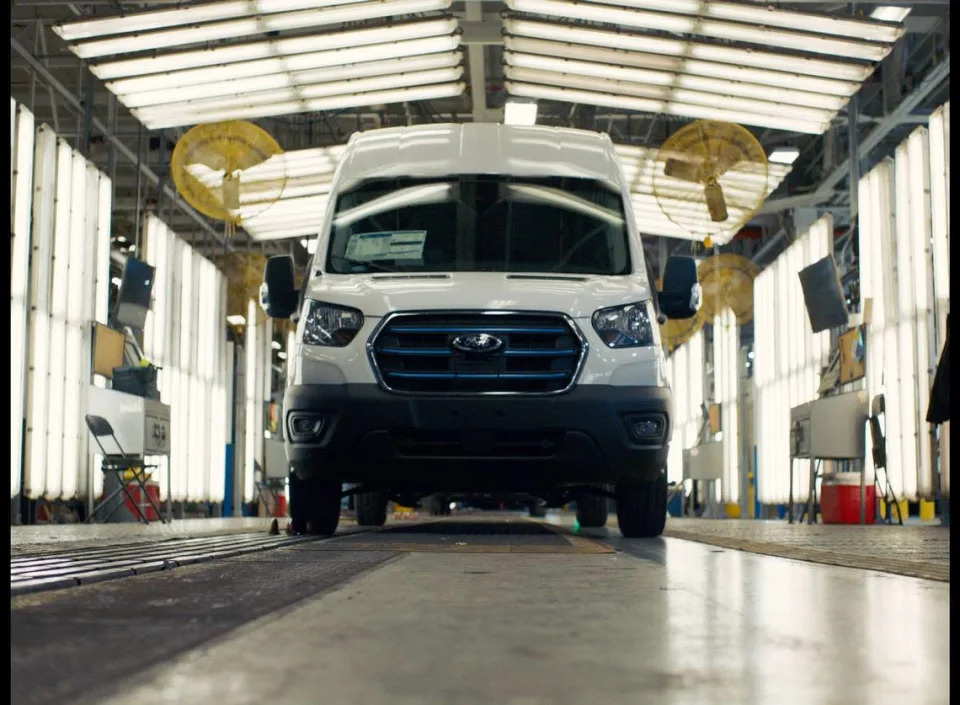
{"type": "Point", "coordinates": [940, 230]}
{"type": "Point", "coordinates": [59, 294]}
{"type": "Point", "coordinates": [21, 185]}
{"type": "Point", "coordinates": [74, 327]}
{"type": "Point", "coordinates": [726, 345]}
{"type": "Point", "coordinates": [906, 322]}
{"type": "Point", "coordinates": [251, 355]}
{"type": "Point", "coordinates": [44, 195]}
{"type": "Point", "coordinates": [923, 312]}
{"type": "Point", "coordinates": [686, 379]}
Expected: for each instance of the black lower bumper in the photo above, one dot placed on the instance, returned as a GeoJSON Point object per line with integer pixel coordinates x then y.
{"type": "Point", "coordinates": [506, 443]}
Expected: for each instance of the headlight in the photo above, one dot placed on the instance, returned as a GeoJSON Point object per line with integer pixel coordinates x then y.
{"type": "Point", "coordinates": [624, 326]}
{"type": "Point", "coordinates": [332, 326]}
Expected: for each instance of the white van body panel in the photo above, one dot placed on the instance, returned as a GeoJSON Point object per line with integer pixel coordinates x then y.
{"type": "Point", "coordinates": [478, 148]}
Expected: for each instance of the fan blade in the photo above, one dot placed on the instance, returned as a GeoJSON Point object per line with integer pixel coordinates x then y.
{"type": "Point", "coordinates": [716, 203]}
{"type": "Point", "coordinates": [210, 158]}
{"type": "Point", "coordinates": [685, 171]}
{"type": "Point", "coordinates": [231, 193]}
{"type": "Point", "coordinates": [728, 156]}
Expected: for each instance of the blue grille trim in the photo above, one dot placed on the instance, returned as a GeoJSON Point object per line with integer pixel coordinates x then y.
{"type": "Point", "coordinates": [541, 353]}
{"type": "Point", "coordinates": [426, 330]}
{"type": "Point", "coordinates": [467, 375]}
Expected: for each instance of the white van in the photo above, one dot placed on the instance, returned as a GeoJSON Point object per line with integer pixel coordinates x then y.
{"type": "Point", "coordinates": [478, 317]}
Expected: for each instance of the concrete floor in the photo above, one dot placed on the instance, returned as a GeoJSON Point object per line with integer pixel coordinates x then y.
{"type": "Point", "coordinates": [404, 619]}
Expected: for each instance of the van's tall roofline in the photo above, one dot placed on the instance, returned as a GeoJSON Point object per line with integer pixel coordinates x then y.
{"type": "Point", "coordinates": [479, 148]}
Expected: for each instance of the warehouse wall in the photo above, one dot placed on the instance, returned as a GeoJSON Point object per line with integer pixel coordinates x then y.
{"type": "Point", "coordinates": [788, 360]}
{"type": "Point", "coordinates": [904, 281]}
{"type": "Point", "coordinates": [60, 222]}
{"type": "Point", "coordinates": [185, 335]}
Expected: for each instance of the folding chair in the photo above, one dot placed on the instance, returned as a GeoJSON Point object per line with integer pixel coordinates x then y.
{"type": "Point", "coordinates": [118, 464]}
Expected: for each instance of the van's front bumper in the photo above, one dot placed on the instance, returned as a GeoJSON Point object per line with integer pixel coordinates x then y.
{"type": "Point", "coordinates": [488, 443]}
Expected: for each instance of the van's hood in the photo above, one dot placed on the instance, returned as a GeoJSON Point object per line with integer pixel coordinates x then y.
{"type": "Point", "coordinates": [379, 294]}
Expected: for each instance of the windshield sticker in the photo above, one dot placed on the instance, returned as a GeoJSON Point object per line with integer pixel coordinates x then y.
{"type": "Point", "coordinates": [397, 245]}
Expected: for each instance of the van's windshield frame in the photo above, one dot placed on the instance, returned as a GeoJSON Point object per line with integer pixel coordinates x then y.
{"type": "Point", "coordinates": [569, 225]}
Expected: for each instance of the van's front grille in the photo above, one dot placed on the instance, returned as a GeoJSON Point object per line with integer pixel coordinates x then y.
{"type": "Point", "coordinates": [523, 353]}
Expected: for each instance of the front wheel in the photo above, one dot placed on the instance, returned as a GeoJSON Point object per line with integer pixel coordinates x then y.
{"type": "Point", "coordinates": [314, 506]}
{"type": "Point", "coordinates": [642, 507]}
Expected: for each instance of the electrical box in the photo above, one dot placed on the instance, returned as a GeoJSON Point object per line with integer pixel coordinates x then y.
{"type": "Point", "coordinates": [703, 462]}
{"type": "Point", "coordinates": [838, 426]}
{"type": "Point", "coordinates": [800, 430]}
{"type": "Point", "coordinates": [142, 425]}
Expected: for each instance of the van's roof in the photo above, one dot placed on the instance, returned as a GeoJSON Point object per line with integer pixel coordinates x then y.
{"type": "Point", "coordinates": [479, 148]}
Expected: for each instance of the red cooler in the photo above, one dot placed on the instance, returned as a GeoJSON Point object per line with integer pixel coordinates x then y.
{"type": "Point", "coordinates": [840, 499]}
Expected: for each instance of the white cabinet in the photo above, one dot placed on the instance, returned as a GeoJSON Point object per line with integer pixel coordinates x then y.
{"type": "Point", "coordinates": [142, 426]}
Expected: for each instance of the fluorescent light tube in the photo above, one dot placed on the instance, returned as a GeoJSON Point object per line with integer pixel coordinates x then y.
{"type": "Point", "coordinates": [658, 106]}
{"type": "Point", "coordinates": [680, 65]}
{"type": "Point", "coordinates": [159, 19]}
{"type": "Point", "coordinates": [890, 13]}
{"type": "Point", "coordinates": [272, 49]}
{"type": "Point", "coordinates": [290, 63]}
{"type": "Point", "coordinates": [766, 15]}
{"type": "Point", "coordinates": [246, 99]}
{"type": "Point", "coordinates": [693, 50]}
{"type": "Point", "coordinates": [520, 112]}
{"type": "Point", "coordinates": [681, 24]}
{"type": "Point", "coordinates": [666, 93]}
{"type": "Point", "coordinates": [251, 85]}
{"type": "Point", "coordinates": [246, 27]}
{"type": "Point", "coordinates": [173, 119]}
{"type": "Point", "coordinates": [666, 79]}
{"type": "Point", "coordinates": [784, 155]}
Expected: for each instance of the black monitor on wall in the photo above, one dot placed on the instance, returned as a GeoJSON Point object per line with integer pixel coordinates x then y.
{"type": "Point", "coordinates": [133, 301]}
{"type": "Point", "coordinates": [823, 295]}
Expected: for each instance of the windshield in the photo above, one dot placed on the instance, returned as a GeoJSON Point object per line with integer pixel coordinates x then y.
{"type": "Point", "coordinates": [480, 224]}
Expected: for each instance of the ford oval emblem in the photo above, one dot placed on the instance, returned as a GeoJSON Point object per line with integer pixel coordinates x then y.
{"type": "Point", "coordinates": [476, 343]}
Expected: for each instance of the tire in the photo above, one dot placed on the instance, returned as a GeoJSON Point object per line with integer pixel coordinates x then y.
{"type": "Point", "coordinates": [642, 508]}
{"type": "Point", "coordinates": [537, 509]}
{"type": "Point", "coordinates": [314, 506]}
{"type": "Point", "coordinates": [591, 510]}
{"type": "Point", "coordinates": [371, 508]}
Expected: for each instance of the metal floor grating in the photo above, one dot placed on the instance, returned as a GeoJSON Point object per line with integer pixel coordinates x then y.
{"type": "Point", "coordinates": [81, 566]}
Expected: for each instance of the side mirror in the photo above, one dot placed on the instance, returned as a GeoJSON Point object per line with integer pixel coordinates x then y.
{"type": "Point", "coordinates": [680, 296]}
{"type": "Point", "coordinates": [278, 293]}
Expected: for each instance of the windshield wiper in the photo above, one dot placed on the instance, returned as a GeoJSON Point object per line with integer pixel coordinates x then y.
{"type": "Point", "coordinates": [358, 263]}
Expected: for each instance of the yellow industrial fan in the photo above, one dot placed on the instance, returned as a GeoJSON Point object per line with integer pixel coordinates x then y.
{"type": "Point", "coordinates": [712, 180]}
{"type": "Point", "coordinates": [225, 170]}
{"type": "Point", "coordinates": [726, 281]}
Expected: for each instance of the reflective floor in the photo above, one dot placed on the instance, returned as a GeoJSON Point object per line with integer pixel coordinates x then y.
{"type": "Point", "coordinates": [415, 616]}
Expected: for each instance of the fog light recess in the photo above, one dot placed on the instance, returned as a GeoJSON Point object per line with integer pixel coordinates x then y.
{"type": "Point", "coordinates": [305, 427]}
{"type": "Point", "coordinates": [646, 429]}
